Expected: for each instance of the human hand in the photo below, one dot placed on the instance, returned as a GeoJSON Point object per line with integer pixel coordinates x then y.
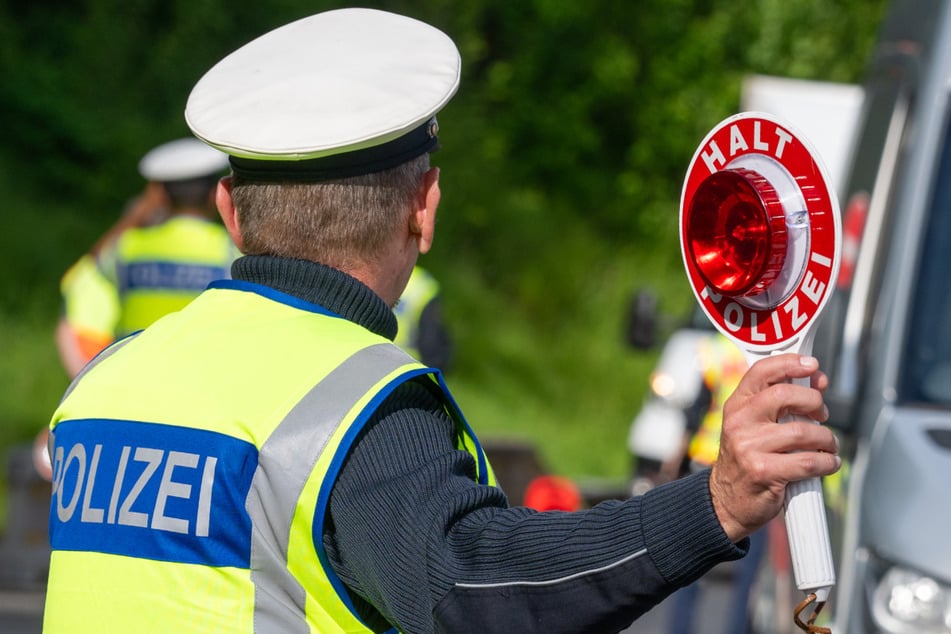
{"type": "Point", "coordinates": [759, 457]}
{"type": "Point", "coordinates": [41, 455]}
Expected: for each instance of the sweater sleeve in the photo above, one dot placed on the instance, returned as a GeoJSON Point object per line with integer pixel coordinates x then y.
{"type": "Point", "coordinates": [424, 548]}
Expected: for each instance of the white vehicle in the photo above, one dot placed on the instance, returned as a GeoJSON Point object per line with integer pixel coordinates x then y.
{"type": "Point", "coordinates": [885, 341]}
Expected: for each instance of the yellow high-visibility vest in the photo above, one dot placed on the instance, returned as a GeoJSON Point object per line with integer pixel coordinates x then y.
{"type": "Point", "coordinates": [723, 365]}
{"type": "Point", "coordinates": [421, 289]}
{"type": "Point", "coordinates": [188, 488]}
{"type": "Point", "coordinates": [159, 269]}
{"type": "Point", "coordinates": [90, 306]}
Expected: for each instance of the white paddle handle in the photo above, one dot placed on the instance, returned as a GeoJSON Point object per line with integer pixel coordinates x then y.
{"type": "Point", "coordinates": [809, 538]}
{"type": "Point", "coordinates": [808, 534]}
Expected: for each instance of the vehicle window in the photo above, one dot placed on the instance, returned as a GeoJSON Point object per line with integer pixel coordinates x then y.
{"type": "Point", "coordinates": [927, 362]}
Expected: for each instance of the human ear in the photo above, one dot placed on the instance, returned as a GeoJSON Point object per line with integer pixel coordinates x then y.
{"type": "Point", "coordinates": [423, 219]}
{"type": "Point", "coordinates": [227, 210]}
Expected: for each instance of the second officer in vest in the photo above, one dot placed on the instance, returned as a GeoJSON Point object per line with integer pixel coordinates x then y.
{"type": "Point", "coordinates": [267, 460]}
{"type": "Point", "coordinates": [153, 266]}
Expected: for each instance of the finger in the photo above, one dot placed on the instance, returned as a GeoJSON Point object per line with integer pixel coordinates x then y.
{"type": "Point", "coordinates": [791, 467]}
{"type": "Point", "coordinates": [777, 369]}
{"type": "Point", "coordinates": [797, 436]}
{"type": "Point", "coordinates": [791, 401]}
{"type": "Point", "coordinates": [817, 381]}
{"type": "Point", "coordinates": [775, 402]}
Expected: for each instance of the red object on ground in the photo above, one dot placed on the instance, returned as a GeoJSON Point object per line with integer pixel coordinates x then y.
{"type": "Point", "coordinates": [552, 493]}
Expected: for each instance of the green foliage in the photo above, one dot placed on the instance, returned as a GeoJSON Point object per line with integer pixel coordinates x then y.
{"type": "Point", "coordinates": [564, 154]}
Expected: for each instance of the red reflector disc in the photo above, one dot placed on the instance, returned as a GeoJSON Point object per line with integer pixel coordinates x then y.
{"type": "Point", "coordinates": [736, 232]}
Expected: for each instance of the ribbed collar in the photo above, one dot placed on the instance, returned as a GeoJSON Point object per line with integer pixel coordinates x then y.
{"type": "Point", "coordinates": [319, 284]}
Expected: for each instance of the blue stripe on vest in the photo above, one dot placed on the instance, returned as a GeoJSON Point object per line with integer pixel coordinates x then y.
{"type": "Point", "coordinates": [168, 275]}
{"type": "Point", "coordinates": [333, 470]}
{"type": "Point", "coordinates": [152, 491]}
{"type": "Point", "coordinates": [272, 294]}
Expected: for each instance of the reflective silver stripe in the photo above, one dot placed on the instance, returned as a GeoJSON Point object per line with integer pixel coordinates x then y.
{"type": "Point", "coordinates": [285, 462]}
{"type": "Point", "coordinates": [552, 582]}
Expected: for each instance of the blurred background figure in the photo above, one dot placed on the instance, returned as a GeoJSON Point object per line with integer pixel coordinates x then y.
{"type": "Point", "coordinates": [722, 365]}
{"type": "Point", "coordinates": [90, 303]}
{"type": "Point", "coordinates": [160, 254]}
{"type": "Point", "coordinates": [422, 330]}
{"type": "Point", "coordinates": [163, 251]}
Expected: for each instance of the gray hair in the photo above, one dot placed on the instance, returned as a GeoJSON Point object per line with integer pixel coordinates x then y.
{"type": "Point", "coordinates": [337, 222]}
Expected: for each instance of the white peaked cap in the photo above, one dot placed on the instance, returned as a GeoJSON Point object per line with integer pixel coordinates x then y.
{"type": "Point", "coordinates": [182, 159]}
{"type": "Point", "coordinates": [329, 85]}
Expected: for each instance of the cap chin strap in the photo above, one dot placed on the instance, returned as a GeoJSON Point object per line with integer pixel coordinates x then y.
{"type": "Point", "coordinates": [378, 158]}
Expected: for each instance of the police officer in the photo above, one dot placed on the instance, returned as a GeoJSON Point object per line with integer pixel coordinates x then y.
{"type": "Point", "coordinates": [421, 330]}
{"type": "Point", "coordinates": [267, 459]}
{"type": "Point", "coordinates": [159, 256]}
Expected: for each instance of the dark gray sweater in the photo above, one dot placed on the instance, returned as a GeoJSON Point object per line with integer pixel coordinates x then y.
{"type": "Point", "coordinates": [422, 547]}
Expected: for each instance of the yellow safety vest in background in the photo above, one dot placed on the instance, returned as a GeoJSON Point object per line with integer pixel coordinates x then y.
{"type": "Point", "coordinates": [421, 289]}
{"type": "Point", "coordinates": [159, 269]}
{"type": "Point", "coordinates": [90, 306]}
{"type": "Point", "coordinates": [722, 365]}
{"type": "Point", "coordinates": [192, 499]}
